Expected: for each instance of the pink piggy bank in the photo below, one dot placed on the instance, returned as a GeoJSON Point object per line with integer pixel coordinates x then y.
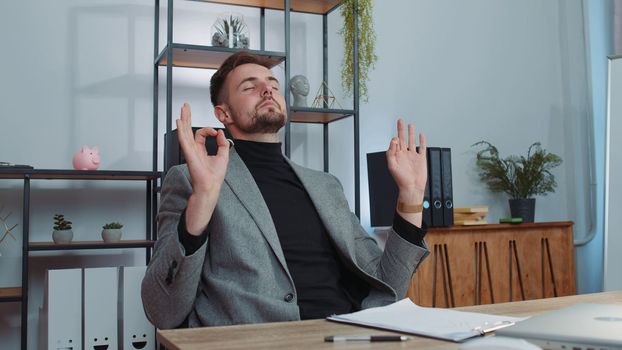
{"type": "Point", "coordinates": [86, 159]}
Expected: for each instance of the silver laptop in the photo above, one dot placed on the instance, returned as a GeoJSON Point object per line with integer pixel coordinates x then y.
{"type": "Point", "coordinates": [580, 326]}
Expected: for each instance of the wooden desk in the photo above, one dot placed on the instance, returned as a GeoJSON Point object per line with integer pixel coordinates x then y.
{"type": "Point", "coordinates": [310, 334]}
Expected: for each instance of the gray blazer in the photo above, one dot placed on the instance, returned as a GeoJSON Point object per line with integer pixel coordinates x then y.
{"type": "Point", "coordinates": [240, 275]}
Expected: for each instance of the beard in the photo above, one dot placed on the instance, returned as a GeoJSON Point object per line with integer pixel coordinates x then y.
{"type": "Point", "coordinates": [264, 122]}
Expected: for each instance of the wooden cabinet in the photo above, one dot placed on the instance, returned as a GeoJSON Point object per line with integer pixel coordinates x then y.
{"type": "Point", "coordinates": [472, 265]}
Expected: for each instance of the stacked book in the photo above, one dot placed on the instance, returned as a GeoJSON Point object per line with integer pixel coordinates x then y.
{"type": "Point", "coordinates": [470, 216]}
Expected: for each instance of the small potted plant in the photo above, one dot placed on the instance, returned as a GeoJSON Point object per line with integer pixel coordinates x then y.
{"type": "Point", "coordinates": [112, 232]}
{"type": "Point", "coordinates": [62, 233]}
{"type": "Point", "coordinates": [520, 177]}
{"type": "Point", "coordinates": [231, 31]}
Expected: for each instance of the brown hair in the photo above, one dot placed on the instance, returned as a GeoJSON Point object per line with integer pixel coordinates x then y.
{"type": "Point", "coordinates": [218, 79]}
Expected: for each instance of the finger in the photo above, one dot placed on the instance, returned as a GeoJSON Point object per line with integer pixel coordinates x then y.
{"type": "Point", "coordinates": [411, 138]}
{"type": "Point", "coordinates": [184, 142]}
{"type": "Point", "coordinates": [184, 126]}
{"type": "Point", "coordinates": [422, 145]}
{"type": "Point", "coordinates": [182, 136]}
{"type": "Point", "coordinates": [186, 112]}
{"type": "Point", "coordinates": [201, 135]}
{"type": "Point", "coordinates": [400, 134]}
{"type": "Point", "coordinates": [392, 151]}
{"type": "Point", "coordinates": [223, 144]}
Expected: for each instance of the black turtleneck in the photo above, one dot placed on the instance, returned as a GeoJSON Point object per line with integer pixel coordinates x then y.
{"type": "Point", "coordinates": [323, 285]}
{"type": "Point", "coordinates": [311, 258]}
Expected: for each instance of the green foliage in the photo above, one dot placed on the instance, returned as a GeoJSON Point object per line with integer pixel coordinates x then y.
{"type": "Point", "coordinates": [518, 176]}
{"type": "Point", "coordinates": [60, 224]}
{"type": "Point", "coordinates": [366, 44]}
{"type": "Point", "coordinates": [112, 226]}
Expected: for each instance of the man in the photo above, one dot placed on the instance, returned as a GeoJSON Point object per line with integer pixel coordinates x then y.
{"type": "Point", "coordinates": [247, 236]}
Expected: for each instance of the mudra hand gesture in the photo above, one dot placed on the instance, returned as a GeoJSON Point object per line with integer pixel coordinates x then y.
{"type": "Point", "coordinates": [206, 172]}
{"type": "Point", "coordinates": [408, 166]}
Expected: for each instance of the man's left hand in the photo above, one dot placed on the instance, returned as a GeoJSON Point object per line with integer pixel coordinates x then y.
{"type": "Point", "coordinates": [407, 165]}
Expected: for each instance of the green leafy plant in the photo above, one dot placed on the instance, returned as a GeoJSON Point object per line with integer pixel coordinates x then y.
{"type": "Point", "coordinates": [60, 224]}
{"type": "Point", "coordinates": [112, 226]}
{"type": "Point", "coordinates": [518, 176]}
{"type": "Point", "coordinates": [366, 44]}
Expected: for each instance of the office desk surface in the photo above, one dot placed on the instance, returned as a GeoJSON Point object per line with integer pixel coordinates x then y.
{"type": "Point", "coordinates": [310, 334]}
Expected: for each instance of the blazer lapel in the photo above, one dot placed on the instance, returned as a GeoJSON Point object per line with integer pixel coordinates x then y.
{"type": "Point", "coordinates": [329, 209]}
{"type": "Point", "coordinates": [245, 188]}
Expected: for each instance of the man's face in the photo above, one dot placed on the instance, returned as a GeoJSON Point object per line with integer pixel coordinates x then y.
{"type": "Point", "coordinates": [254, 100]}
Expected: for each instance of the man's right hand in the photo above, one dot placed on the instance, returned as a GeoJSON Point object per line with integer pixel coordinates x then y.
{"type": "Point", "coordinates": [207, 172]}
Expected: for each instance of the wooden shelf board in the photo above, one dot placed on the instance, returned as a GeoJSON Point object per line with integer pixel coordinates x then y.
{"type": "Point", "coordinates": [10, 294]}
{"type": "Point", "coordinates": [305, 6]}
{"type": "Point", "coordinates": [318, 115]}
{"type": "Point", "coordinates": [34, 246]}
{"type": "Point", "coordinates": [209, 57]}
{"type": "Point", "coordinates": [66, 174]}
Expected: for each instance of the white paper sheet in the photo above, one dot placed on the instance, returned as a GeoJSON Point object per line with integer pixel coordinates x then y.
{"type": "Point", "coordinates": [407, 317]}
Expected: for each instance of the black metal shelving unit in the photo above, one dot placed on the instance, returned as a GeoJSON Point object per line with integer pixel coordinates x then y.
{"type": "Point", "coordinates": [20, 294]}
{"type": "Point", "coordinates": [210, 57]}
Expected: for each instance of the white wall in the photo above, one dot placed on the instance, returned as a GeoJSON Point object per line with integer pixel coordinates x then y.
{"type": "Point", "coordinates": [500, 71]}
{"type": "Point", "coordinates": [76, 72]}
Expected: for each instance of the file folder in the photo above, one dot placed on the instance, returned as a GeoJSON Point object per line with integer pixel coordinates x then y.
{"type": "Point", "coordinates": [138, 332]}
{"type": "Point", "coordinates": [100, 308]}
{"type": "Point", "coordinates": [447, 190]}
{"type": "Point", "coordinates": [436, 186]}
{"type": "Point", "coordinates": [64, 309]}
{"type": "Point", "coordinates": [427, 210]}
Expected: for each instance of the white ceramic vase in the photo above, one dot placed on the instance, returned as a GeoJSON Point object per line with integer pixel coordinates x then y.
{"type": "Point", "coordinates": [62, 236]}
{"type": "Point", "coordinates": [111, 234]}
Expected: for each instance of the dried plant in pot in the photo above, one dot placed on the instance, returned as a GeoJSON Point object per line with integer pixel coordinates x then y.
{"type": "Point", "coordinates": [522, 178]}
{"type": "Point", "coordinates": [230, 30]}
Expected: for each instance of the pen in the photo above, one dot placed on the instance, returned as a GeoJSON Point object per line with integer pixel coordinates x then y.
{"type": "Point", "coordinates": [494, 327]}
{"type": "Point", "coordinates": [338, 338]}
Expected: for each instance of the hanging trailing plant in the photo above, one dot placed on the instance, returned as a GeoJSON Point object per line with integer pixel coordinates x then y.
{"type": "Point", "coordinates": [366, 45]}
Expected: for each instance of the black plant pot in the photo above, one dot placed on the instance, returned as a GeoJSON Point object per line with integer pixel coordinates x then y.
{"type": "Point", "coordinates": [523, 208]}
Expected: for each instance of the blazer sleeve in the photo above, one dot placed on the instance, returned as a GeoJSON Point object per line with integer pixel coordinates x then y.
{"type": "Point", "coordinates": [390, 270]}
{"type": "Point", "coordinates": [392, 267]}
{"type": "Point", "coordinates": [172, 279]}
